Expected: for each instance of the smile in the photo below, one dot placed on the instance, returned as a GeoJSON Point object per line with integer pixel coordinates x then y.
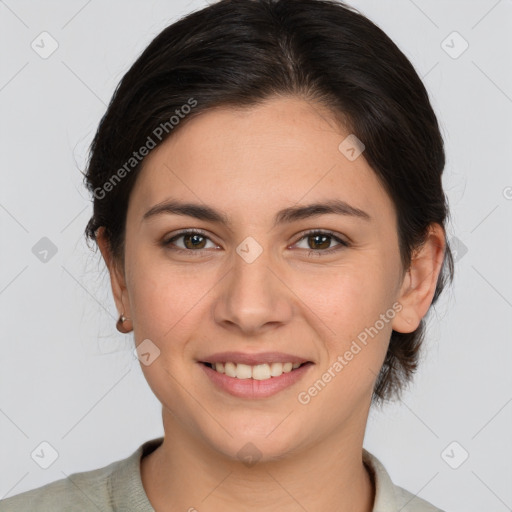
{"type": "Point", "coordinates": [254, 381]}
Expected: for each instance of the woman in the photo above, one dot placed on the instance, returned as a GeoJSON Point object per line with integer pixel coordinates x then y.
{"type": "Point", "coordinates": [268, 200]}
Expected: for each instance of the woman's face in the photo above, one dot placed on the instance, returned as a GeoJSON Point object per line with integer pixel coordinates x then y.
{"type": "Point", "coordinates": [257, 283]}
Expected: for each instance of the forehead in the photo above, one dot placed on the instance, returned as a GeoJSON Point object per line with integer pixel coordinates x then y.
{"type": "Point", "coordinates": [256, 160]}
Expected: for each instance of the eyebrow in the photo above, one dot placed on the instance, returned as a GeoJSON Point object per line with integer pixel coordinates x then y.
{"type": "Point", "coordinates": [287, 215]}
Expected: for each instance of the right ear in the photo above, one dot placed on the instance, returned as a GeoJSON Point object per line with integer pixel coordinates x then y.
{"type": "Point", "coordinates": [117, 279]}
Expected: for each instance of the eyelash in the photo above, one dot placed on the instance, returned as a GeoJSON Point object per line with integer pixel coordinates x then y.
{"type": "Point", "coordinates": [310, 253]}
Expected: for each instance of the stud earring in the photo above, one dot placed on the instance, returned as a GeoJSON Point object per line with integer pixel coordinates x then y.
{"type": "Point", "coordinates": [119, 325]}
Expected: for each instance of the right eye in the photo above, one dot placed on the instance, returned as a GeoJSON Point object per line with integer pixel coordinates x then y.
{"type": "Point", "coordinates": [193, 241]}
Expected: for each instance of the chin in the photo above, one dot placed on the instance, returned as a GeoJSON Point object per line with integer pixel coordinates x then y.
{"type": "Point", "coordinates": [261, 442]}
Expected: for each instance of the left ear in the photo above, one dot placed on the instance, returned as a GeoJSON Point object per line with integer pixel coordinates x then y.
{"type": "Point", "coordinates": [419, 284]}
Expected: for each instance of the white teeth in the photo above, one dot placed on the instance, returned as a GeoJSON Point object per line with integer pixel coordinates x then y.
{"type": "Point", "coordinates": [257, 372]}
{"type": "Point", "coordinates": [261, 372]}
{"type": "Point", "coordinates": [243, 371]}
{"type": "Point", "coordinates": [276, 369]}
{"type": "Point", "coordinates": [229, 369]}
{"type": "Point", "coordinates": [287, 367]}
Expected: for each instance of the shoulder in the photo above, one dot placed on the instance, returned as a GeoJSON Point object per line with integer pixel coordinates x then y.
{"type": "Point", "coordinates": [390, 497]}
{"type": "Point", "coordinates": [117, 486]}
{"type": "Point", "coordinates": [408, 502]}
{"type": "Point", "coordinates": [80, 491]}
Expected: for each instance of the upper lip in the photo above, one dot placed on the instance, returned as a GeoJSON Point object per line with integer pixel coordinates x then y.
{"type": "Point", "coordinates": [253, 359]}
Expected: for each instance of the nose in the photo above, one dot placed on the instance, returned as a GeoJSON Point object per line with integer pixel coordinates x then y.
{"type": "Point", "coordinates": [253, 297]}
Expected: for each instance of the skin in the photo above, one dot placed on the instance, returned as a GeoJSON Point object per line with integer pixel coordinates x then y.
{"type": "Point", "coordinates": [249, 164]}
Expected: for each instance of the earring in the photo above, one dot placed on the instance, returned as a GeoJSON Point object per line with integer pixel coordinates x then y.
{"type": "Point", "coordinates": [119, 325]}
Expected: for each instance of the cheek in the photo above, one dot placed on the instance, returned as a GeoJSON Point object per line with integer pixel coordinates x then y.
{"type": "Point", "coordinates": [353, 318]}
{"type": "Point", "coordinates": [346, 298]}
{"type": "Point", "coordinates": [161, 296]}
{"type": "Point", "coordinates": [170, 303]}
{"type": "Point", "coordinates": [167, 309]}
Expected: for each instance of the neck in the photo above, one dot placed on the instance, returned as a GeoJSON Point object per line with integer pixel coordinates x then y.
{"type": "Point", "coordinates": [185, 473]}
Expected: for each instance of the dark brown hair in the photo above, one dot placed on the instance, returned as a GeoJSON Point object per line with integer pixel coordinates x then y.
{"type": "Point", "coordinates": [238, 53]}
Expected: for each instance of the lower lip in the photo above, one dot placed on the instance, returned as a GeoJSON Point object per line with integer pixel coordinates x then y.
{"type": "Point", "coordinates": [252, 388]}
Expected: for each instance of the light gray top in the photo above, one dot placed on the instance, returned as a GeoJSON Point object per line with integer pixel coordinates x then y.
{"type": "Point", "coordinates": [118, 487]}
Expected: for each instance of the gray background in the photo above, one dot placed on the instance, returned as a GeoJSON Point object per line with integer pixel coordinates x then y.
{"type": "Point", "coordinates": [68, 378]}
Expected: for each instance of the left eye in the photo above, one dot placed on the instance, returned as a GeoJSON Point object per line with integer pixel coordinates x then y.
{"type": "Point", "coordinates": [321, 241]}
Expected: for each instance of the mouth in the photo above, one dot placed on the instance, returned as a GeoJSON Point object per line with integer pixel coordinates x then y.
{"type": "Point", "coordinates": [264, 371]}
{"type": "Point", "coordinates": [254, 381]}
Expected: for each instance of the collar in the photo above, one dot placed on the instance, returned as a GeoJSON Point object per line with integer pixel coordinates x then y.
{"type": "Point", "coordinates": [385, 499]}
